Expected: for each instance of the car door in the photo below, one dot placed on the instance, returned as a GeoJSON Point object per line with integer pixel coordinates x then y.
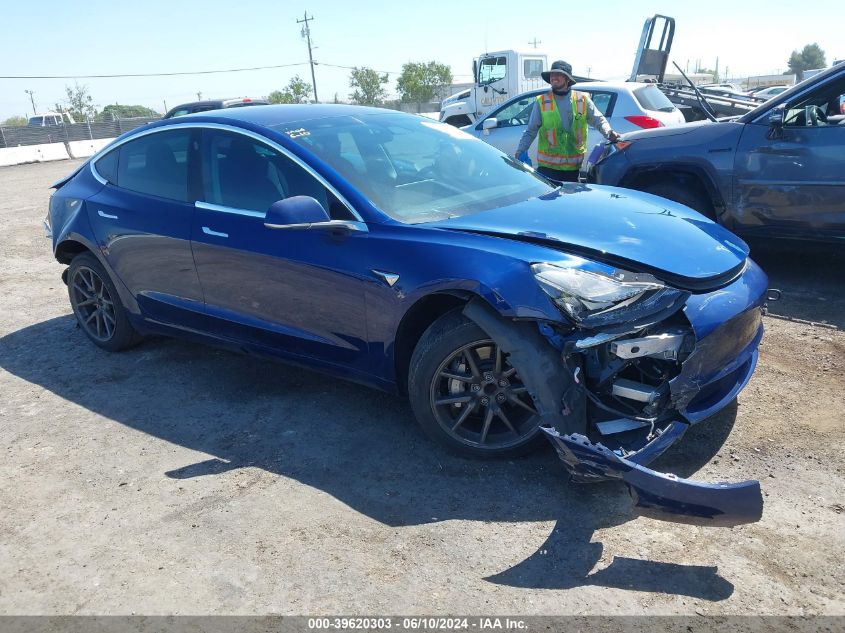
{"type": "Point", "coordinates": [791, 179]}
{"type": "Point", "coordinates": [141, 219]}
{"type": "Point", "coordinates": [292, 292]}
{"type": "Point", "coordinates": [511, 121]}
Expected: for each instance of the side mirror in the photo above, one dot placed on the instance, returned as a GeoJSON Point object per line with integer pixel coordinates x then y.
{"type": "Point", "coordinates": [776, 117]}
{"type": "Point", "coordinates": [489, 124]}
{"type": "Point", "coordinates": [296, 212]}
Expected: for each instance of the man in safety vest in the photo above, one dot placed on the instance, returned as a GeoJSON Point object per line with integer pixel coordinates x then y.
{"type": "Point", "coordinates": [561, 117]}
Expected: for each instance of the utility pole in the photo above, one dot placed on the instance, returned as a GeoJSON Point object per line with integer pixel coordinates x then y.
{"type": "Point", "coordinates": [306, 33]}
{"type": "Point", "coordinates": [535, 42]}
{"type": "Point", "coordinates": [31, 98]}
{"type": "Point", "coordinates": [199, 96]}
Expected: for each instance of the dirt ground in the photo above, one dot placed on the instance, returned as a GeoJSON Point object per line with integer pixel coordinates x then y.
{"type": "Point", "coordinates": [178, 479]}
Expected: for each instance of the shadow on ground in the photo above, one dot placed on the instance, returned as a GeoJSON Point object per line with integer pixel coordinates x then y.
{"type": "Point", "coordinates": [361, 446]}
{"type": "Point", "coordinates": [810, 277]}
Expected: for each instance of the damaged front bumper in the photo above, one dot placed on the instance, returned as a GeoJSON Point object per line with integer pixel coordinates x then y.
{"type": "Point", "coordinates": [660, 495]}
{"type": "Point", "coordinates": [712, 345]}
{"type": "Point", "coordinates": [727, 333]}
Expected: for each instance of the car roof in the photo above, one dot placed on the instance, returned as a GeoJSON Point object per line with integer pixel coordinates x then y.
{"type": "Point", "coordinates": [627, 86]}
{"type": "Point", "coordinates": [284, 113]}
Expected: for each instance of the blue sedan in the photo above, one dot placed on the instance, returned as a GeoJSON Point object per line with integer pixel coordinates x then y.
{"type": "Point", "coordinates": [404, 254]}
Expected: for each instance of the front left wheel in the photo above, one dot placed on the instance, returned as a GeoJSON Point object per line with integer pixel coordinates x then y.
{"type": "Point", "coordinates": [467, 396]}
{"type": "Point", "coordinates": [97, 306]}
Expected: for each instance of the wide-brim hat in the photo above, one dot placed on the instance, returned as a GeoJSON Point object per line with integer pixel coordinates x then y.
{"type": "Point", "coordinates": [560, 66]}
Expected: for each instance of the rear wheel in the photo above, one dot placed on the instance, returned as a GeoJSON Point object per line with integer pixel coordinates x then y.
{"type": "Point", "coordinates": [97, 306]}
{"type": "Point", "coordinates": [467, 396]}
{"type": "Point", "coordinates": [690, 196]}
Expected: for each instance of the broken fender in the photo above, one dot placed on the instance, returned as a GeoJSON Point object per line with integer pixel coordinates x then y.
{"type": "Point", "coordinates": [660, 495]}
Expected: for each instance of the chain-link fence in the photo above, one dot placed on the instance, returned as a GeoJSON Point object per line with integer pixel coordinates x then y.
{"type": "Point", "coordinates": [17, 136]}
{"type": "Point", "coordinates": [26, 135]}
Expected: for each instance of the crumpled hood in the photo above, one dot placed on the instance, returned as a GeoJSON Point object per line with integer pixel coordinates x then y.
{"type": "Point", "coordinates": [618, 226]}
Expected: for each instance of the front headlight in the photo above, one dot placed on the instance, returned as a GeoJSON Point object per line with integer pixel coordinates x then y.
{"type": "Point", "coordinates": [594, 298]}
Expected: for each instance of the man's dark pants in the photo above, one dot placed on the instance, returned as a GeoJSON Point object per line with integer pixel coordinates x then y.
{"type": "Point", "coordinates": [559, 175]}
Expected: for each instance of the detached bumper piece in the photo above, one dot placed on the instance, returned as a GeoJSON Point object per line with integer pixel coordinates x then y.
{"type": "Point", "coordinates": [659, 495]}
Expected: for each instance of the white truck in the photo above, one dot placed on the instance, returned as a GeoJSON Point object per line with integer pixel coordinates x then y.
{"type": "Point", "coordinates": [49, 119]}
{"type": "Point", "coordinates": [497, 76]}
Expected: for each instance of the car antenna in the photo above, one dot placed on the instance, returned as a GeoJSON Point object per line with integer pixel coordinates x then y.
{"type": "Point", "coordinates": [705, 106]}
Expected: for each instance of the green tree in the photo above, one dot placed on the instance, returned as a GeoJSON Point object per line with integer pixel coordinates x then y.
{"type": "Point", "coordinates": [15, 121]}
{"type": "Point", "coordinates": [115, 111]}
{"type": "Point", "coordinates": [421, 82]}
{"type": "Point", "coordinates": [297, 91]}
{"type": "Point", "coordinates": [368, 86]}
{"type": "Point", "coordinates": [810, 57]}
{"type": "Point", "coordinates": [79, 103]}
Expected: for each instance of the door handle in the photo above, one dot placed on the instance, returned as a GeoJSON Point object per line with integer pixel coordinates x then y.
{"type": "Point", "coordinates": [103, 214]}
{"type": "Point", "coordinates": [208, 231]}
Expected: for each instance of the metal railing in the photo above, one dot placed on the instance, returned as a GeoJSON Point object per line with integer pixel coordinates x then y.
{"type": "Point", "coordinates": [26, 135]}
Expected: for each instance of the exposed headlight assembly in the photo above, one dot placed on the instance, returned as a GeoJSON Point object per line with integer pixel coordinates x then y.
{"type": "Point", "coordinates": [593, 298]}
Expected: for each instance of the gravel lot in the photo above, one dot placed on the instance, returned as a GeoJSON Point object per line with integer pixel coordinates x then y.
{"type": "Point", "coordinates": [175, 478]}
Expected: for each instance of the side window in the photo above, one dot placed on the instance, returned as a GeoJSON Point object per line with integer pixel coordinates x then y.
{"type": "Point", "coordinates": [602, 101]}
{"type": "Point", "coordinates": [492, 69]}
{"type": "Point", "coordinates": [815, 109]}
{"type": "Point", "coordinates": [532, 68]}
{"type": "Point", "coordinates": [107, 166]}
{"type": "Point", "coordinates": [156, 165]}
{"type": "Point", "coordinates": [242, 173]}
{"type": "Point", "coordinates": [517, 113]}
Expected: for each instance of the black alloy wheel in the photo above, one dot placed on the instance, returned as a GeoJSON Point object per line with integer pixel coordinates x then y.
{"type": "Point", "coordinates": [93, 304]}
{"type": "Point", "coordinates": [97, 306]}
{"type": "Point", "coordinates": [467, 395]}
{"type": "Point", "coordinates": [479, 400]}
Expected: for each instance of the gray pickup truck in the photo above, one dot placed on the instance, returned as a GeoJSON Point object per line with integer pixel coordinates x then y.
{"type": "Point", "coordinates": [778, 171]}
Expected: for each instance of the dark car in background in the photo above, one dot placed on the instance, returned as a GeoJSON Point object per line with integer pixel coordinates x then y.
{"type": "Point", "coordinates": [212, 104]}
{"type": "Point", "coordinates": [778, 171]}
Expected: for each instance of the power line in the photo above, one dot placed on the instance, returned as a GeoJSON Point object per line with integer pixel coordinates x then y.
{"type": "Point", "coordinates": [386, 72]}
{"type": "Point", "coordinates": [203, 72]}
{"type": "Point", "coordinates": [195, 72]}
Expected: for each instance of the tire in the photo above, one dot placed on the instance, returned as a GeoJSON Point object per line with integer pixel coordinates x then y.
{"type": "Point", "coordinates": [690, 196]}
{"type": "Point", "coordinates": [454, 402]}
{"type": "Point", "coordinates": [97, 306]}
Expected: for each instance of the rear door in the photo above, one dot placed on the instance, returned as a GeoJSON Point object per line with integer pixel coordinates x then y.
{"type": "Point", "coordinates": [792, 181]}
{"type": "Point", "coordinates": [142, 221]}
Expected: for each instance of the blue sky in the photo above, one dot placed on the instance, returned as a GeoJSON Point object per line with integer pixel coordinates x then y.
{"type": "Point", "coordinates": [99, 37]}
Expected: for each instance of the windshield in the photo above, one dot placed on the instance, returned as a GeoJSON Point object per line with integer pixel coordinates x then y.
{"type": "Point", "coordinates": [415, 169]}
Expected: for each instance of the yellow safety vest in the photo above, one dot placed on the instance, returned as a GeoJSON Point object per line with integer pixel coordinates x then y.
{"type": "Point", "coordinates": [558, 148]}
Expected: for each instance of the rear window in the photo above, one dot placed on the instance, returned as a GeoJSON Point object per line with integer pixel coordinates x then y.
{"type": "Point", "coordinates": [650, 98]}
{"type": "Point", "coordinates": [156, 164]}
